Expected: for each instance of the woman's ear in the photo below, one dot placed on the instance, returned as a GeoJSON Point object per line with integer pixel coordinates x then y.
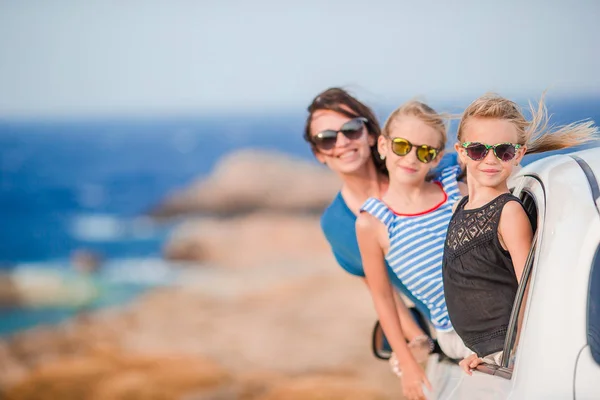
{"type": "Point", "coordinates": [371, 139]}
{"type": "Point", "coordinates": [319, 156]}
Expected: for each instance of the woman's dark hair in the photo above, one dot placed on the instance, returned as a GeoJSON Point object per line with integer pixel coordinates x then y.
{"type": "Point", "coordinates": [340, 101]}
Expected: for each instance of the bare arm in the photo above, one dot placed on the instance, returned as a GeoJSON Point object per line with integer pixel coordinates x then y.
{"type": "Point", "coordinates": [516, 235]}
{"type": "Point", "coordinates": [369, 234]}
{"type": "Point", "coordinates": [410, 328]}
{"type": "Point", "coordinates": [378, 281]}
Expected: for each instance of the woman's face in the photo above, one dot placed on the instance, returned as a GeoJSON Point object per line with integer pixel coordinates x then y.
{"type": "Point", "coordinates": [348, 155]}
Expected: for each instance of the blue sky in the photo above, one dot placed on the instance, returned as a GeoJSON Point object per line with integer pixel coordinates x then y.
{"type": "Point", "coordinates": [89, 58]}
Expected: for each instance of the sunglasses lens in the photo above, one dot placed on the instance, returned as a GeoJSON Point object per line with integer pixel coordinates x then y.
{"type": "Point", "coordinates": [505, 152]}
{"type": "Point", "coordinates": [401, 147]}
{"type": "Point", "coordinates": [325, 140]}
{"type": "Point", "coordinates": [476, 151]}
{"type": "Point", "coordinates": [352, 129]}
{"type": "Point", "coordinates": [426, 154]}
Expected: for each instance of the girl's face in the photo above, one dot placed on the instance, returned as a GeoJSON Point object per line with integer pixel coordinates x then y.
{"type": "Point", "coordinates": [408, 168]}
{"type": "Point", "coordinates": [348, 155]}
{"type": "Point", "coordinates": [490, 171]}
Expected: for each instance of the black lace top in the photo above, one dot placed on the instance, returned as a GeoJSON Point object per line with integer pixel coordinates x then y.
{"type": "Point", "coordinates": [480, 284]}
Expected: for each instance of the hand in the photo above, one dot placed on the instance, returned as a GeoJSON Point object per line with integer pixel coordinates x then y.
{"type": "Point", "coordinates": [469, 363]}
{"type": "Point", "coordinates": [413, 378]}
{"type": "Point", "coordinates": [421, 347]}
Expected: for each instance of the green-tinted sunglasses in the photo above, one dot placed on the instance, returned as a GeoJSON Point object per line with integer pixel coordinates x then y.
{"type": "Point", "coordinates": [503, 151]}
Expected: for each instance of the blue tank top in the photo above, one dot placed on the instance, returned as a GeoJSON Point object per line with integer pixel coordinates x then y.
{"type": "Point", "coordinates": [338, 224]}
{"type": "Point", "coordinates": [417, 246]}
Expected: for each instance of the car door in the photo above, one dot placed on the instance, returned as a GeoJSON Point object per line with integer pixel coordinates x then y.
{"type": "Point", "coordinates": [587, 370]}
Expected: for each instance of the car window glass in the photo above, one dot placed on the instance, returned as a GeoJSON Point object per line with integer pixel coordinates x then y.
{"type": "Point", "coordinates": [514, 328]}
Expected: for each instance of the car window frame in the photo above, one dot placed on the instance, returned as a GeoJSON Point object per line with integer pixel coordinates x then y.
{"type": "Point", "coordinates": [534, 188]}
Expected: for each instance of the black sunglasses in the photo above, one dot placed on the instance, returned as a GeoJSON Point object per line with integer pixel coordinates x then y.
{"type": "Point", "coordinates": [352, 129]}
{"type": "Point", "coordinates": [425, 153]}
{"type": "Point", "coordinates": [503, 151]}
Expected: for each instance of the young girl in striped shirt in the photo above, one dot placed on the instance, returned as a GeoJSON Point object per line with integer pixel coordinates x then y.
{"type": "Point", "coordinates": [407, 228]}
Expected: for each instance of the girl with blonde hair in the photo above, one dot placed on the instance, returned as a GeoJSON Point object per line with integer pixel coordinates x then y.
{"type": "Point", "coordinates": [406, 229]}
{"type": "Point", "coordinates": [490, 234]}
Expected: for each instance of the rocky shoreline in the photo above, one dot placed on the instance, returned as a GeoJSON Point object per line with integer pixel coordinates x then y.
{"type": "Point", "coordinates": [261, 312]}
{"type": "Point", "coordinates": [251, 180]}
{"type": "Point", "coordinates": [275, 333]}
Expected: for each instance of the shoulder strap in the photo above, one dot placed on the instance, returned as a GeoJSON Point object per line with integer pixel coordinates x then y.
{"type": "Point", "coordinates": [461, 203]}
{"type": "Point", "coordinates": [506, 197]}
{"type": "Point", "coordinates": [379, 210]}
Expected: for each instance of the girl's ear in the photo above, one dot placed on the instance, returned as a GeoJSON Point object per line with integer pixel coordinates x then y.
{"type": "Point", "coordinates": [462, 156]}
{"type": "Point", "coordinates": [382, 145]}
{"type": "Point", "coordinates": [520, 154]}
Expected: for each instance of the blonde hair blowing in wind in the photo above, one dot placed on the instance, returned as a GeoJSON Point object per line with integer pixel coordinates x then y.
{"type": "Point", "coordinates": [536, 134]}
{"type": "Point", "coordinates": [422, 111]}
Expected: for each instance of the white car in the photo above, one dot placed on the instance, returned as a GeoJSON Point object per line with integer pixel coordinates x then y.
{"type": "Point", "coordinates": [556, 353]}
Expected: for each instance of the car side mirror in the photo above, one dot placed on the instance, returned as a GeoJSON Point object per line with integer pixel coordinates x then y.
{"type": "Point", "coordinates": [379, 344]}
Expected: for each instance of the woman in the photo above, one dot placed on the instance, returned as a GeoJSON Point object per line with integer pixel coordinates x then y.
{"type": "Point", "coordinates": [343, 134]}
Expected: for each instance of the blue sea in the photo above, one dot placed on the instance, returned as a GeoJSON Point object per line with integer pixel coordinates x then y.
{"type": "Point", "coordinates": [67, 185]}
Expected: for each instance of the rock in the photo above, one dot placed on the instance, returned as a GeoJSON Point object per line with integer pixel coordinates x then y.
{"type": "Point", "coordinates": [9, 291]}
{"type": "Point", "coordinates": [162, 378]}
{"type": "Point", "coordinates": [323, 388]}
{"type": "Point", "coordinates": [271, 201]}
{"type": "Point", "coordinates": [255, 383]}
{"type": "Point", "coordinates": [86, 261]}
{"type": "Point", "coordinates": [11, 368]}
{"type": "Point", "coordinates": [70, 378]}
{"type": "Point", "coordinates": [121, 376]}
{"type": "Point", "coordinates": [46, 287]}
{"type": "Point", "coordinates": [242, 241]}
{"type": "Point", "coordinates": [250, 180]}
{"type": "Point", "coordinates": [296, 328]}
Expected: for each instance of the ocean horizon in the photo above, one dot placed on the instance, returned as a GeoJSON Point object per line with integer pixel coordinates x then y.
{"type": "Point", "coordinates": [73, 184]}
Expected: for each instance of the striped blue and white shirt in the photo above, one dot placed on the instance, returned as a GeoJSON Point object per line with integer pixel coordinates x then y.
{"type": "Point", "coordinates": [417, 246]}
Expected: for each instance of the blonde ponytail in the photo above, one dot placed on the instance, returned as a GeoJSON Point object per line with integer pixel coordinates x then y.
{"type": "Point", "coordinates": [542, 137]}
